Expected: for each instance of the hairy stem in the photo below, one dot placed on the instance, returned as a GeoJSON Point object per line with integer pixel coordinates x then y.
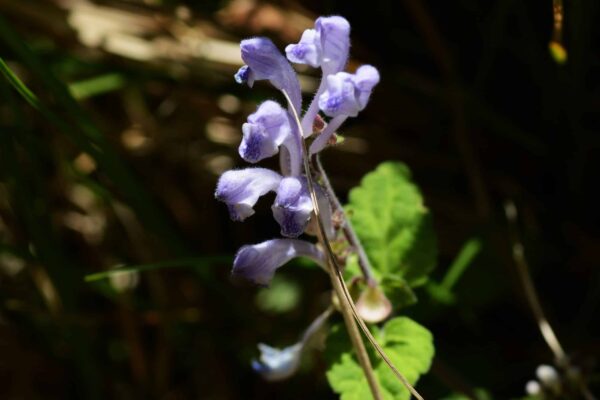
{"type": "Point", "coordinates": [347, 228]}
{"type": "Point", "coordinates": [313, 109]}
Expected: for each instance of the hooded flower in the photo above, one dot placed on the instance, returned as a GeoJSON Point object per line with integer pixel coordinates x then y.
{"type": "Point", "coordinates": [258, 262]}
{"type": "Point", "coordinates": [326, 46]}
{"type": "Point", "coordinates": [292, 207]}
{"type": "Point", "coordinates": [264, 61]}
{"type": "Point", "coordinates": [347, 94]}
{"type": "Point", "coordinates": [240, 189]}
{"type": "Point", "coordinates": [266, 130]}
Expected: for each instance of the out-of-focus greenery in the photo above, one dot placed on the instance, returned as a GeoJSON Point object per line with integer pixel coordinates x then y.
{"type": "Point", "coordinates": [115, 122]}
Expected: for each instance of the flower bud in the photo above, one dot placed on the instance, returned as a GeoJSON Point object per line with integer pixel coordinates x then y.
{"type": "Point", "coordinates": [372, 305]}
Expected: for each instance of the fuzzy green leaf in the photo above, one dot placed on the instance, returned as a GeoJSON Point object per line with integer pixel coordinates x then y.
{"type": "Point", "coordinates": [408, 345]}
{"type": "Point", "coordinates": [394, 225]}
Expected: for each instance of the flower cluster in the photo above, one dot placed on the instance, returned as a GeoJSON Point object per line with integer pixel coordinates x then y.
{"type": "Point", "coordinates": [273, 130]}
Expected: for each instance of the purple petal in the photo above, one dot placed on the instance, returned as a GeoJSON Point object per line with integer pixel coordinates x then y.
{"type": "Point", "coordinates": [292, 207]}
{"type": "Point", "coordinates": [242, 75]}
{"type": "Point", "coordinates": [365, 79]}
{"type": "Point", "coordinates": [307, 51]}
{"type": "Point", "coordinates": [259, 262]}
{"type": "Point", "coordinates": [240, 189]}
{"type": "Point", "coordinates": [265, 61]}
{"type": "Point", "coordinates": [327, 45]}
{"type": "Point", "coordinates": [347, 94]}
{"type": "Point", "coordinates": [264, 132]}
{"type": "Point", "coordinates": [335, 41]}
{"type": "Point", "coordinates": [339, 97]}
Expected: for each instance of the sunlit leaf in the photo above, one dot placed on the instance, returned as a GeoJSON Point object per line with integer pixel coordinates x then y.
{"type": "Point", "coordinates": [389, 216]}
{"type": "Point", "coordinates": [409, 346]}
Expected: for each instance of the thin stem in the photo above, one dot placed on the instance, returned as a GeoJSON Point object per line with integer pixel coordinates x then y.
{"type": "Point", "coordinates": [316, 325]}
{"type": "Point", "coordinates": [353, 332]}
{"type": "Point", "coordinates": [337, 278]}
{"type": "Point", "coordinates": [321, 140]}
{"type": "Point", "coordinates": [530, 292]}
{"type": "Point", "coordinates": [534, 302]}
{"type": "Point", "coordinates": [313, 108]}
{"type": "Point", "coordinates": [348, 229]}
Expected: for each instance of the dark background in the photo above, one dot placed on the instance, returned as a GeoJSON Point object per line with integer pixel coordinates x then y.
{"type": "Point", "coordinates": [470, 99]}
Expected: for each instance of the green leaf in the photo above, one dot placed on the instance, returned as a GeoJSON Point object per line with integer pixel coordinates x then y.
{"type": "Point", "coordinates": [395, 227]}
{"type": "Point", "coordinates": [408, 345]}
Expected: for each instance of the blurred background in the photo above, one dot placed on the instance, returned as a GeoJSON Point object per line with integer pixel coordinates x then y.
{"type": "Point", "coordinates": [134, 114]}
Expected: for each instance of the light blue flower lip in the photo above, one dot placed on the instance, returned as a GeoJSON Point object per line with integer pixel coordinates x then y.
{"type": "Point", "coordinates": [277, 364]}
{"type": "Point", "coordinates": [241, 189]}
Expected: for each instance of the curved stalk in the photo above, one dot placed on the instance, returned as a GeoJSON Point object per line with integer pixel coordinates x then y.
{"type": "Point", "coordinates": [348, 307]}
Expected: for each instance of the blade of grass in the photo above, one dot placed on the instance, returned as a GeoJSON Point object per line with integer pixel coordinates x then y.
{"type": "Point", "coordinates": [462, 261]}
{"type": "Point", "coordinates": [196, 262]}
{"type": "Point", "coordinates": [96, 86]}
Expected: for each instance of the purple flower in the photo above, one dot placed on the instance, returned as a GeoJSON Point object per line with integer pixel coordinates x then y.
{"type": "Point", "coordinates": [264, 132]}
{"type": "Point", "coordinates": [347, 94]}
{"type": "Point", "coordinates": [265, 61]}
{"type": "Point", "coordinates": [240, 189]}
{"type": "Point", "coordinates": [293, 206]}
{"type": "Point", "coordinates": [326, 46]}
{"type": "Point", "coordinates": [308, 50]}
{"type": "Point", "coordinates": [258, 262]}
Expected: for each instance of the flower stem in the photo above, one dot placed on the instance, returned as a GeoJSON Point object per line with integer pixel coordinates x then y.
{"type": "Point", "coordinates": [321, 140]}
{"type": "Point", "coordinates": [346, 310]}
{"type": "Point", "coordinates": [348, 229]}
{"type": "Point", "coordinates": [339, 285]}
